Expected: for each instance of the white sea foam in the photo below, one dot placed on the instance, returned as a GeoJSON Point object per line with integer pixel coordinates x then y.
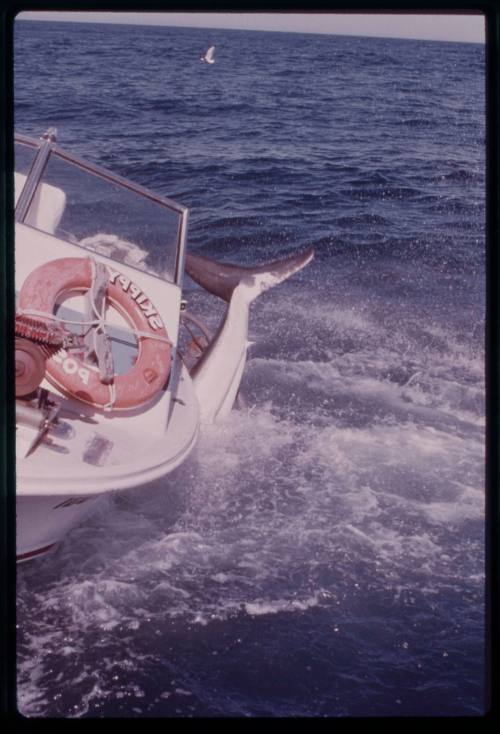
{"type": "Point", "coordinates": [335, 316]}
{"type": "Point", "coordinates": [363, 471]}
{"type": "Point", "coordinates": [277, 513]}
{"type": "Point", "coordinates": [260, 607]}
{"type": "Point", "coordinates": [117, 248]}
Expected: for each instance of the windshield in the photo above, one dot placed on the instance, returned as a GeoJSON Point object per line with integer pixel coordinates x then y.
{"type": "Point", "coordinates": [103, 213]}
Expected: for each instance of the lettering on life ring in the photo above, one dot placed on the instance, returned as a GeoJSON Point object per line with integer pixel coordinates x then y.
{"type": "Point", "coordinates": [140, 298]}
{"type": "Point", "coordinates": [72, 366]}
{"type": "Point", "coordinates": [48, 283]}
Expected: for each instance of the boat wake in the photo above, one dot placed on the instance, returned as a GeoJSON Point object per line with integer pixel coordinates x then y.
{"type": "Point", "coordinates": [361, 490]}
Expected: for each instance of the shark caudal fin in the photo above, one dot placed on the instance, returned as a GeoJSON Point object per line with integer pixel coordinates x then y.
{"type": "Point", "coordinates": [222, 278]}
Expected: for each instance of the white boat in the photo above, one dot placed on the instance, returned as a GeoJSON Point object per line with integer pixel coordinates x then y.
{"type": "Point", "coordinates": [208, 56]}
{"type": "Point", "coordinates": [106, 396]}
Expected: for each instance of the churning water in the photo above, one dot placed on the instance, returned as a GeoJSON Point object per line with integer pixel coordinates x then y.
{"type": "Point", "coordinates": [321, 553]}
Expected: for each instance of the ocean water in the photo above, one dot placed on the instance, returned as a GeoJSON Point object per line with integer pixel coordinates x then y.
{"type": "Point", "coordinates": [322, 553]}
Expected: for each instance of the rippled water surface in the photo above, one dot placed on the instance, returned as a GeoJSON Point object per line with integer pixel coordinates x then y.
{"type": "Point", "coordinates": [320, 554]}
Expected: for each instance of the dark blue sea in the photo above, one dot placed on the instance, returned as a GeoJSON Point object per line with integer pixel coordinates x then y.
{"type": "Point", "coordinates": [321, 553]}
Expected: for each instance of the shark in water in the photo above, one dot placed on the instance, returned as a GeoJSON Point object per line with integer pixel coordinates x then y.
{"type": "Point", "coordinates": [217, 375]}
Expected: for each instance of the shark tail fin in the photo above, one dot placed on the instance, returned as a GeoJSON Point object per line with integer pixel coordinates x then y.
{"type": "Point", "coordinates": [221, 279]}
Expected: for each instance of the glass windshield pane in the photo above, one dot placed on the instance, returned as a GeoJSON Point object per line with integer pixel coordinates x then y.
{"type": "Point", "coordinates": [24, 155]}
{"type": "Point", "coordinates": [104, 216]}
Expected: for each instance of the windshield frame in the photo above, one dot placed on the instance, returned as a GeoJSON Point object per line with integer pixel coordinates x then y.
{"type": "Point", "coordinates": [47, 146]}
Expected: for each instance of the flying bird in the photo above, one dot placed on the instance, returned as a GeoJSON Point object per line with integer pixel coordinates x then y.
{"type": "Point", "coordinates": [208, 56]}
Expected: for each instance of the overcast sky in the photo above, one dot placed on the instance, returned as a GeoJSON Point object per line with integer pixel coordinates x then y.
{"type": "Point", "coordinates": [432, 27]}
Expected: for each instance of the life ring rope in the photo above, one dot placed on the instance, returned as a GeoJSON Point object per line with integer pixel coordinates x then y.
{"type": "Point", "coordinates": [112, 398]}
{"type": "Point", "coordinates": [38, 298]}
{"type": "Point", "coordinates": [30, 312]}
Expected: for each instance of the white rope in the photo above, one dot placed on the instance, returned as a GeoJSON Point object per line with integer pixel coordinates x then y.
{"type": "Point", "coordinates": [101, 327]}
{"type": "Point", "coordinates": [149, 335]}
{"type": "Point", "coordinates": [96, 322]}
{"type": "Point", "coordinates": [100, 323]}
{"type": "Point", "coordinates": [100, 316]}
{"type": "Point", "coordinates": [112, 397]}
{"type": "Point", "coordinates": [53, 317]}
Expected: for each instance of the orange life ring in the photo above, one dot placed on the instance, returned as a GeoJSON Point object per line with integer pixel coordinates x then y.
{"type": "Point", "coordinates": [40, 292]}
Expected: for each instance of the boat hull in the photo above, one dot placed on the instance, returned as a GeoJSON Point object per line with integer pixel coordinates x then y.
{"type": "Point", "coordinates": [53, 497]}
{"type": "Point", "coordinates": [43, 520]}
